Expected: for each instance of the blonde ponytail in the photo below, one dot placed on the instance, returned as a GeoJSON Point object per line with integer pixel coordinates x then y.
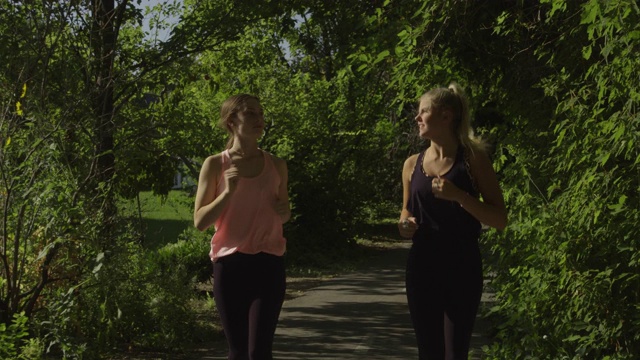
{"type": "Point", "coordinates": [454, 99]}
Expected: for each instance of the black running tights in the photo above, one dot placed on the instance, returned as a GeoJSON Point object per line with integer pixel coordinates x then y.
{"type": "Point", "coordinates": [443, 294]}
{"type": "Point", "coordinates": [249, 292]}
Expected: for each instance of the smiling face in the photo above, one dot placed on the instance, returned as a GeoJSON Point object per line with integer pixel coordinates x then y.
{"type": "Point", "coordinates": [248, 120]}
{"type": "Point", "coordinates": [430, 119]}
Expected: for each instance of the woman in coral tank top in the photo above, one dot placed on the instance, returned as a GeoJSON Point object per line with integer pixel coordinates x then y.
{"type": "Point", "coordinates": [242, 192]}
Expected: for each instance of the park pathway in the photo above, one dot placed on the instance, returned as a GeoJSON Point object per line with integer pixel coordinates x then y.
{"type": "Point", "coordinates": [360, 315]}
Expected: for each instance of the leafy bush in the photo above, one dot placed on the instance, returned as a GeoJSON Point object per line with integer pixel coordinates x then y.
{"type": "Point", "coordinates": [136, 298]}
{"type": "Point", "coordinates": [189, 256]}
{"type": "Point", "coordinates": [568, 268]}
{"type": "Point", "coordinates": [12, 336]}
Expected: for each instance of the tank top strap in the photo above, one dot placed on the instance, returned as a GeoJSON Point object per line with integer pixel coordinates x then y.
{"type": "Point", "coordinates": [268, 161]}
{"type": "Point", "coordinates": [269, 164]}
{"type": "Point", "coordinates": [226, 159]}
{"type": "Point", "coordinates": [418, 164]}
{"type": "Point", "coordinates": [465, 158]}
{"type": "Point", "coordinates": [225, 162]}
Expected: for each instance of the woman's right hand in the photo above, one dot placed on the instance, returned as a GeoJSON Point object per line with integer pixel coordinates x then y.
{"type": "Point", "coordinates": [407, 227]}
{"type": "Point", "coordinates": [231, 178]}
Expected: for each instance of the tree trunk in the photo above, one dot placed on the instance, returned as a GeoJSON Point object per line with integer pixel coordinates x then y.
{"type": "Point", "coordinates": [103, 37]}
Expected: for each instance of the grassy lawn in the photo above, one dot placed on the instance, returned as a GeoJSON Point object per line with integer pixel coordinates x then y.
{"type": "Point", "coordinates": [164, 218]}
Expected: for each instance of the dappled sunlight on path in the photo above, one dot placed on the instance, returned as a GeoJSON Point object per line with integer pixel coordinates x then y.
{"type": "Point", "coordinates": [361, 315]}
{"type": "Point", "coordinates": [354, 316]}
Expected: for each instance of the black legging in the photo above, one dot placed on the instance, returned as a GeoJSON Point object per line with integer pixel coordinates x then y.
{"type": "Point", "coordinates": [443, 293]}
{"type": "Point", "coordinates": [249, 292]}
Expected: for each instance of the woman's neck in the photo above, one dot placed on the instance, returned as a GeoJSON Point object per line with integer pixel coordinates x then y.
{"type": "Point", "coordinates": [244, 149]}
{"type": "Point", "coordinates": [444, 147]}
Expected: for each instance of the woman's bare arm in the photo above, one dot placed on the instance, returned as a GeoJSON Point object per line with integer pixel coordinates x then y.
{"type": "Point", "coordinates": [491, 211]}
{"type": "Point", "coordinates": [208, 207]}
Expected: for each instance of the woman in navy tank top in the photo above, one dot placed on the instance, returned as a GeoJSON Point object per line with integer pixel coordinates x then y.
{"type": "Point", "coordinates": [449, 190]}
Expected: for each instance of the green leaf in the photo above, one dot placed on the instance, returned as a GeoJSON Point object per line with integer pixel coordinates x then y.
{"type": "Point", "coordinates": [19, 108]}
{"type": "Point", "coordinates": [586, 52]}
{"type": "Point", "coordinates": [45, 251]}
{"type": "Point", "coordinates": [602, 159]}
{"type": "Point", "coordinates": [556, 6]}
{"type": "Point", "coordinates": [381, 56]}
{"type": "Point", "coordinates": [590, 12]}
{"type": "Point", "coordinates": [97, 268]}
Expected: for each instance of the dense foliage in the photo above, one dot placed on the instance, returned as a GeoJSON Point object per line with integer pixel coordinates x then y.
{"type": "Point", "coordinates": [562, 77]}
{"type": "Point", "coordinates": [95, 109]}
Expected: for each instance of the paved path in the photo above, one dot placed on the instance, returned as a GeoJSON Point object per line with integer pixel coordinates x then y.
{"type": "Point", "coordinates": [362, 315]}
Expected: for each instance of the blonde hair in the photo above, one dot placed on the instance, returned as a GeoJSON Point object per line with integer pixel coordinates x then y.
{"type": "Point", "coordinates": [229, 109]}
{"type": "Point", "coordinates": [453, 98]}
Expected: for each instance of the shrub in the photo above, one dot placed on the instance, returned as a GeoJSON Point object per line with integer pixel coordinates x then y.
{"type": "Point", "coordinates": [12, 336]}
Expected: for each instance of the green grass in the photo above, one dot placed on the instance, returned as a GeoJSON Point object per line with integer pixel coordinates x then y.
{"type": "Point", "coordinates": [165, 218]}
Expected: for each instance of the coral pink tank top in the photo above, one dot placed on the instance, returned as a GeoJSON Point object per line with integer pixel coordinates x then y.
{"type": "Point", "coordinates": [249, 224]}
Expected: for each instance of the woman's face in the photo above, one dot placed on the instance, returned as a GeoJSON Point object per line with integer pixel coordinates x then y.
{"type": "Point", "coordinates": [249, 121]}
{"type": "Point", "coordinates": [429, 118]}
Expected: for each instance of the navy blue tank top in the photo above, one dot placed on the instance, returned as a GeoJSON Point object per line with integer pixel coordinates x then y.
{"type": "Point", "coordinates": [443, 224]}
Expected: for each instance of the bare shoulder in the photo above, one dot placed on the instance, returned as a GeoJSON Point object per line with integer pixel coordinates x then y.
{"type": "Point", "coordinates": [212, 164]}
{"type": "Point", "coordinates": [410, 163]}
{"type": "Point", "coordinates": [408, 167]}
{"type": "Point", "coordinates": [479, 159]}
